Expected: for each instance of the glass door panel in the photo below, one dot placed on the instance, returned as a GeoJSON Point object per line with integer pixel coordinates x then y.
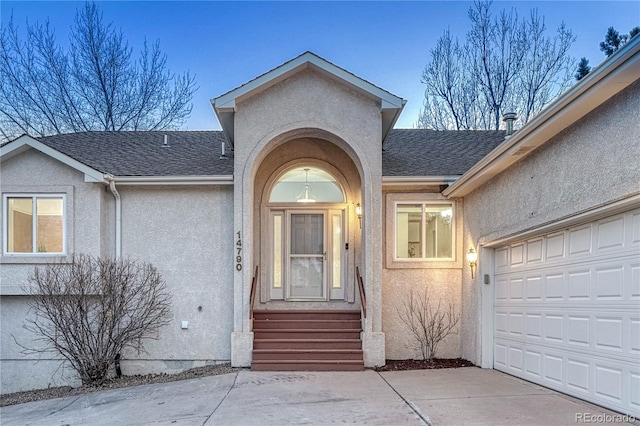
{"type": "Point", "coordinates": [307, 256]}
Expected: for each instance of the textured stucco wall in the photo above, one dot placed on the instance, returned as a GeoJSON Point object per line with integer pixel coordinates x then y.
{"type": "Point", "coordinates": [32, 172]}
{"type": "Point", "coordinates": [307, 104]}
{"type": "Point", "coordinates": [591, 163]}
{"type": "Point", "coordinates": [441, 280]}
{"type": "Point", "coordinates": [186, 233]}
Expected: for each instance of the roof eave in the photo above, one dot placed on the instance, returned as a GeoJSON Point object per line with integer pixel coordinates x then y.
{"type": "Point", "coordinates": [612, 76]}
{"type": "Point", "coordinates": [172, 180]}
{"type": "Point", "coordinates": [25, 142]}
{"type": "Point", "coordinates": [418, 180]}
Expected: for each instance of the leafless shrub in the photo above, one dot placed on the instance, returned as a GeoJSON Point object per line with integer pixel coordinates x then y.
{"type": "Point", "coordinates": [91, 309]}
{"type": "Point", "coordinates": [430, 323]}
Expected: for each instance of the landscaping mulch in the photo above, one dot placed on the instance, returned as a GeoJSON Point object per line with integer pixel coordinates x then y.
{"type": "Point", "coordinates": [418, 364]}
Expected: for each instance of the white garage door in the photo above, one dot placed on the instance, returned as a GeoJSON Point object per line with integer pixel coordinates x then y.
{"type": "Point", "coordinates": [567, 311]}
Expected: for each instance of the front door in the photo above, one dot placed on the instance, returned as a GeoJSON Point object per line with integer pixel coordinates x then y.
{"type": "Point", "coordinates": [308, 254]}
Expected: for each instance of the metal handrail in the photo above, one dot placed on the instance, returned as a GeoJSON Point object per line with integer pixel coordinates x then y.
{"type": "Point", "coordinates": [363, 297]}
{"type": "Point", "coordinates": [252, 296]}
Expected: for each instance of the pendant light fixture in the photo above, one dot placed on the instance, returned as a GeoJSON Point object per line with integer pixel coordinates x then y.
{"type": "Point", "coordinates": [306, 196]}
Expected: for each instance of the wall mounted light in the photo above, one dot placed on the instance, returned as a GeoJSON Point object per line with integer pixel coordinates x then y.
{"type": "Point", "coordinates": [472, 258]}
{"type": "Point", "coordinates": [359, 213]}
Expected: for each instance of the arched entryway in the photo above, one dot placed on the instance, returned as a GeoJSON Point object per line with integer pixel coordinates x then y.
{"type": "Point", "coordinates": [307, 191]}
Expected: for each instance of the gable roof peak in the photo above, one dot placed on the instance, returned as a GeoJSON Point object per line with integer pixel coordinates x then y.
{"type": "Point", "coordinates": [225, 105]}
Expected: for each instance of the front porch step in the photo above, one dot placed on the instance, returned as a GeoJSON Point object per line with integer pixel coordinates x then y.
{"type": "Point", "coordinates": [306, 343]}
{"type": "Point", "coordinates": [307, 324]}
{"type": "Point", "coordinates": [304, 365]}
{"type": "Point", "coordinates": [306, 315]}
{"type": "Point", "coordinates": [314, 334]}
{"type": "Point", "coordinates": [307, 354]}
{"type": "Point", "coordinates": [307, 340]}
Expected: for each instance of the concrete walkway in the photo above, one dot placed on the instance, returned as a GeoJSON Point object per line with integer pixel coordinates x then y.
{"type": "Point", "coordinates": [437, 397]}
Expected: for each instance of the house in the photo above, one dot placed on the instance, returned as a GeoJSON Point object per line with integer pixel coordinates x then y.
{"type": "Point", "coordinates": [309, 191]}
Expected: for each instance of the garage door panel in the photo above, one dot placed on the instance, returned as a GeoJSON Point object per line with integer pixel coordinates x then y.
{"type": "Point", "coordinates": [635, 228]}
{"type": "Point", "coordinates": [579, 284]}
{"type": "Point", "coordinates": [553, 370]}
{"type": "Point", "coordinates": [578, 330]}
{"type": "Point", "coordinates": [614, 277]}
{"type": "Point", "coordinates": [567, 309]}
{"type": "Point", "coordinates": [609, 332]}
{"type": "Point", "coordinates": [580, 241]}
{"type": "Point", "coordinates": [634, 336]}
{"type": "Point", "coordinates": [533, 325]}
{"type": "Point", "coordinates": [578, 375]}
{"type": "Point", "coordinates": [634, 395]}
{"type": "Point", "coordinates": [610, 281]}
{"type": "Point", "coordinates": [534, 251]}
{"type": "Point", "coordinates": [609, 382]}
{"type": "Point", "coordinates": [533, 288]}
{"type": "Point", "coordinates": [533, 363]}
{"type": "Point", "coordinates": [634, 287]}
{"type": "Point", "coordinates": [555, 246]}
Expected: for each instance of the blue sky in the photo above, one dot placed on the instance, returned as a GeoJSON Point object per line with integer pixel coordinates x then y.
{"type": "Point", "coordinates": [226, 44]}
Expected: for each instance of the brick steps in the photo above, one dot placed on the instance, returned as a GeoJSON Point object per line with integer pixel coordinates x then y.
{"type": "Point", "coordinates": [307, 340]}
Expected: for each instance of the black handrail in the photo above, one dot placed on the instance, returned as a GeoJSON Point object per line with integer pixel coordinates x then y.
{"type": "Point", "coordinates": [363, 297]}
{"type": "Point", "coordinates": [252, 296]}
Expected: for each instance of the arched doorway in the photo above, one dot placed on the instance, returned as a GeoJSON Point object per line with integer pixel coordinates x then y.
{"type": "Point", "coordinates": [306, 234]}
{"type": "Point", "coordinates": [307, 239]}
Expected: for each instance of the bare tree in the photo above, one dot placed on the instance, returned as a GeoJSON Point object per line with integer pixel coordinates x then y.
{"type": "Point", "coordinates": [507, 64]}
{"type": "Point", "coordinates": [429, 323]}
{"type": "Point", "coordinates": [94, 84]}
{"type": "Point", "coordinates": [91, 309]}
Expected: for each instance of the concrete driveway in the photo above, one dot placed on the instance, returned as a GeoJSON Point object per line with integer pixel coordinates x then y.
{"type": "Point", "coordinates": [437, 397]}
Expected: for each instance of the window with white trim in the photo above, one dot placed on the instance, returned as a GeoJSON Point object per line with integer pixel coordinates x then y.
{"type": "Point", "coordinates": [34, 224]}
{"type": "Point", "coordinates": [424, 231]}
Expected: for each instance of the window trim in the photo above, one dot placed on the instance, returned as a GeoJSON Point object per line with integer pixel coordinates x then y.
{"type": "Point", "coordinates": [427, 195]}
{"type": "Point", "coordinates": [5, 224]}
{"type": "Point", "coordinates": [424, 204]}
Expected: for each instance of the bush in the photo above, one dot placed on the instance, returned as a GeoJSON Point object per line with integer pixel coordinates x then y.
{"type": "Point", "coordinates": [91, 309]}
{"type": "Point", "coordinates": [429, 323]}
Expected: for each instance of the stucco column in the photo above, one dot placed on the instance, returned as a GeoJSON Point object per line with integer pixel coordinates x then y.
{"type": "Point", "coordinates": [242, 336]}
{"type": "Point", "coordinates": [373, 341]}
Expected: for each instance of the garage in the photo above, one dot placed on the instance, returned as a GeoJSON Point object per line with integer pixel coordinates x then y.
{"type": "Point", "coordinates": [567, 310]}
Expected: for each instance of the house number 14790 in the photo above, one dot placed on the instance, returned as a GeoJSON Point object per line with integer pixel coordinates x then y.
{"type": "Point", "coordinates": [239, 253]}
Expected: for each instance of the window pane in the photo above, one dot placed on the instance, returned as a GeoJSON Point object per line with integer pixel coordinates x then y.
{"type": "Point", "coordinates": [408, 231]}
{"type": "Point", "coordinates": [307, 234]}
{"type": "Point", "coordinates": [336, 279]}
{"type": "Point", "coordinates": [438, 232]}
{"type": "Point", "coordinates": [277, 251]}
{"type": "Point", "coordinates": [306, 184]}
{"type": "Point", "coordinates": [50, 225]}
{"type": "Point", "coordinates": [19, 225]}
{"type": "Point", "coordinates": [306, 277]}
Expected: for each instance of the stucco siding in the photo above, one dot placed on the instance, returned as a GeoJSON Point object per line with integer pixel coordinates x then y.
{"type": "Point", "coordinates": [441, 280]}
{"type": "Point", "coordinates": [186, 232]}
{"type": "Point", "coordinates": [28, 173]}
{"type": "Point", "coordinates": [589, 164]}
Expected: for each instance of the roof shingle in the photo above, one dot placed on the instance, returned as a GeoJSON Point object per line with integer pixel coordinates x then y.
{"type": "Point", "coordinates": [422, 152]}
{"type": "Point", "coordinates": [408, 152]}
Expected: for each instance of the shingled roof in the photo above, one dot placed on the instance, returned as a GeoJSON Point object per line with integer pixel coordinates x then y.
{"type": "Point", "coordinates": [141, 153]}
{"type": "Point", "coordinates": [408, 152]}
{"type": "Point", "coordinates": [421, 152]}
